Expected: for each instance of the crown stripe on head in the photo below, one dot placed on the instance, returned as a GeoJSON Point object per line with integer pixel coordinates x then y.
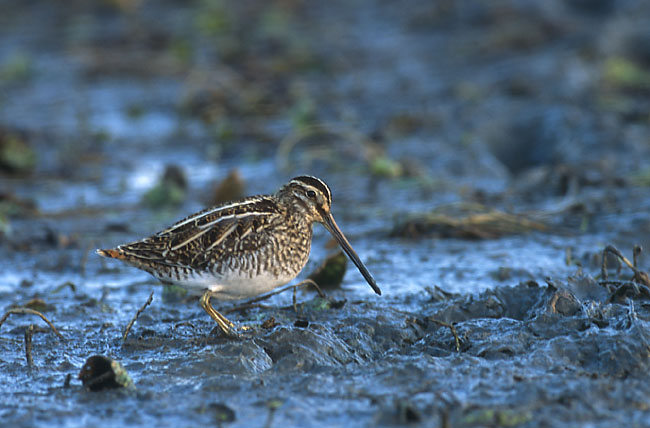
{"type": "Point", "coordinates": [317, 183]}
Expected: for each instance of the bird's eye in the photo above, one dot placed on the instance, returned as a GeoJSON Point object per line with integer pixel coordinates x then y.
{"type": "Point", "coordinates": [311, 194]}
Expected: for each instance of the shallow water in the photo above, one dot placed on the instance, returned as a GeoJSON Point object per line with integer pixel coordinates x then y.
{"type": "Point", "coordinates": [506, 105]}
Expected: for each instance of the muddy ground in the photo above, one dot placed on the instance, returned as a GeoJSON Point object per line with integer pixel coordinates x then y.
{"type": "Point", "coordinates": [482, 155]}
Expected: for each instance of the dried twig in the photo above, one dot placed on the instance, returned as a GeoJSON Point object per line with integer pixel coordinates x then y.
{"type": "Point", "coordinates": [355, 139]}
{"type": "Point", "coordinates": [467, 221]}
{"type": "Point", "coordinates": [29, 333]}
{"type": "Point", "coordinates": [32, 312]}
{"type": "Point", "coordinates": [28, 346]}
{"type": "Point", "coordinates": [137, 314]}
{"type": "Point", "coordinates": [302, 284]}
{"type": "Point", "coordinates": [450, 327]}
{"type": "Point", "coordinates": [636, 251]}
{"type": "Point", "coordinates": [639, 275]}
{"type": "Point", "coordinates": [311, 282]}
{"type": "Point", "coordinates": [68, 284]}
{"type": "Point", "coordinates": [640, 282]}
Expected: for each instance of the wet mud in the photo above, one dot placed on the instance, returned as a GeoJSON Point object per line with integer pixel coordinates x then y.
{"type": "Point", "coordinates": [489, 162]}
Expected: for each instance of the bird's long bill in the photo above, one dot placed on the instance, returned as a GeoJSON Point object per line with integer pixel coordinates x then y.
{"type": "Point", "coordinates": [330, 224]}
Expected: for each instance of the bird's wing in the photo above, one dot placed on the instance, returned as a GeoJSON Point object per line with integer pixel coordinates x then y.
{"type": "Point", "coordinates": [195, 240]}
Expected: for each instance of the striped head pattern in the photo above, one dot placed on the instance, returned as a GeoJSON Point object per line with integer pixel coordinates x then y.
{"type": "Point", "coordinates": [315, 197]}
{"type": "Point", "coordinates": [311, 194]}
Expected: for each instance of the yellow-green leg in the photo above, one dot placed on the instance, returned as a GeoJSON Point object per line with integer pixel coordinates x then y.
{"type": "Point", "coordinates": [224, 324]}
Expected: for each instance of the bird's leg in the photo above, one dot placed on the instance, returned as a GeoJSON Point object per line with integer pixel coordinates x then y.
{"type": "Point", "coordinates": [224, 324]}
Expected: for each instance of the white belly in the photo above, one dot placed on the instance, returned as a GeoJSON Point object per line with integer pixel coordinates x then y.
{"type": "Point", "coordinates": [230, 286]}
{"type": "Point", "coordinates": [238, 287]}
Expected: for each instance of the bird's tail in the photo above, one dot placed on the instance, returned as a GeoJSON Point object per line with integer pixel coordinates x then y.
{"type": "Point", "coordinates": [113, 254]}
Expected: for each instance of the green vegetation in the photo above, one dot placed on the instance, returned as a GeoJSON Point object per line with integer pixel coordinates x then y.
{"type": "Point", "coordinates": [18, 67]}
{"type": "Point", "coordinates": [624, 73]}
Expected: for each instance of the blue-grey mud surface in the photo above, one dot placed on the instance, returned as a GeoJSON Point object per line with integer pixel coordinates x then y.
{"type": "Point", "coordinates": [535, 109]}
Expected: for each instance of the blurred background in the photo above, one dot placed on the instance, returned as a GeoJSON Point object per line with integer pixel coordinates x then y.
{"type": "Point", "coordinates": [469, 144]}
{"type": "Point", "coordinates": [460, 97]}
{"type": "Point", "coordinates": [119, 117]}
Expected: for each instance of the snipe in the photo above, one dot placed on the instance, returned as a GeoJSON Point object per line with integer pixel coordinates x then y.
{"type": "Point", "coordinates": [240, 249]}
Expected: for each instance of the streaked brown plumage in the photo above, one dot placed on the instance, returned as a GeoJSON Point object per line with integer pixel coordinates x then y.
{"type": "Point", "coordinates": [240, 249]}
